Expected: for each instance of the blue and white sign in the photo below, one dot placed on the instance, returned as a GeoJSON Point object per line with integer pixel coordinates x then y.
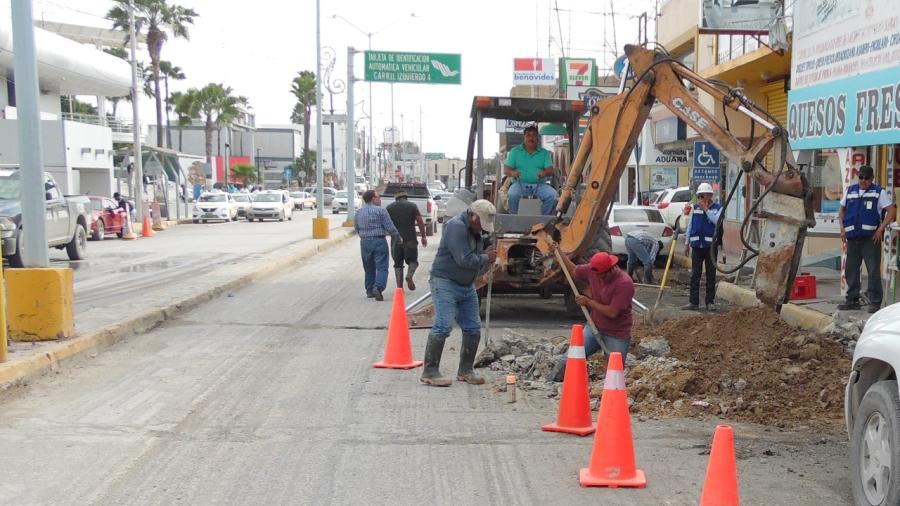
{"type": "Point", "coordinates": [288, 172]}
{"type": "Point", "coordinates": [706, 166]}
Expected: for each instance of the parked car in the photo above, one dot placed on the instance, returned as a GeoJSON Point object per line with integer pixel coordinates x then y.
{"type": "Point", "coordinates": [419, 194]}
{"type": "Point", "coordinates": [271, 204]}
{"type": "Point", "coordinates": [67, 218]}
{"type": "Point", "coordinates": [218, 206]}
{"type": "Point", "coordinates": [672, 203]}
{"type": "Point", "coordinates": [648, 197]}
{"type": "Point", "coordinates": [340, 202]}
{"type": "Point", "coordinates": [327, 191]}
{"type": "Point", "coordinates": [242, 203]}
{"type": "Point", "coordinates": [106, 217]}
{"type": "Point", "coordinates": [872, 410]}
{"type": "Point", "coordinates": [302, 200]}
{"type": "Point", "coordinates": [625, 219]}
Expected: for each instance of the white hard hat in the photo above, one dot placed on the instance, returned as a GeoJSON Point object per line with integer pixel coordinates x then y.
{"type": "Point", "coordinates": [704, 188]}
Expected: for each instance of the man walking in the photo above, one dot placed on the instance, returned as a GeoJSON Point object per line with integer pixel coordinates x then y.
{"type": "Point", "coordinates": [610, 305]}
{"type": "Point", "coordinates": [699, 238]}
{"type": "Point", "coordinates": [530, 166]}
{"type": "Point", "coordinates": [642, 247]}
{"type": "Point", "coordinates": [460, 257]}
{"type": "Point", "coordinates": [372, 224]}
{"type": "Point", "coordinates": [862, 229]}
{"type": "Point", "coordinates": [406, 217]}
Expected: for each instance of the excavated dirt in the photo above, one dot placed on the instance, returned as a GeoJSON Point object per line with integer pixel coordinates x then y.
{"type": "Point", "coordinates": [745, 365]}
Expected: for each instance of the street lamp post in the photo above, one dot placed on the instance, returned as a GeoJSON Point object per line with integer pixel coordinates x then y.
{"type": "Point", "coordinates": [320, 223]}
{"type": "Point", "coordinates": [259, 180]}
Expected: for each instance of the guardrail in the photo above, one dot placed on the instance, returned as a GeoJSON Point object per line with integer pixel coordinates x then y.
{"type": "Point", "coordinates": [116, 125]}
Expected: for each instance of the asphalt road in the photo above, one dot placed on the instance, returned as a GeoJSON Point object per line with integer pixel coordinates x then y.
{"type": "Point", "coordinates": [267, 396]}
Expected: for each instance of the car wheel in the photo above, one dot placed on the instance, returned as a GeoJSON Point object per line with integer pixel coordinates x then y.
{"type": "Point", "coordinates": [196, 221]}
{"type": "Point", "coordinates": [99, 231]}
{"type": "Point", "coordinates": [78, 245]}
{"type": "Point", "coordinates": [202, 221]}
{"type": "Point", "coordinates": [234, 218]}
{"type": "Point", "coordinates": [875, 446]}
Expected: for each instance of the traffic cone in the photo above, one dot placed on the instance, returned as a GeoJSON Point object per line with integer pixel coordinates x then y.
{"type": "Point", "coordinates": [575, 402]}
{"type": "Point", "coordinates": [397, 350]}
{"type": "Point", "coordinates": [147, 230]}
{"type": "Point", "coordinates": [721, 485]}
{"type": "Point", "coordinates": [612, 459]}
{"type": "Point", "coordinates": [128, 234]}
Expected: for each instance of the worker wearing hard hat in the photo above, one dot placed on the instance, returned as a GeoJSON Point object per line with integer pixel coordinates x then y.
{"type": "Point", "coordinates": [699, 238]}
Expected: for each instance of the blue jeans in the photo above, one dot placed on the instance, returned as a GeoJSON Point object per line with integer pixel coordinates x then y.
{"type": "Point", "coordinates": [542, 191]}
{"type": "Point", "coordinates": [637, 252]}
{"type": "Point", "coordinates": [375, 262]}
{"type": "Point", "coordinates": [591, 346]}
{"type": "Point", "coordinates": [453, 301]}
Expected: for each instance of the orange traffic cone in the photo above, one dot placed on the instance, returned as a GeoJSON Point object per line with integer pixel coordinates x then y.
{"type": "Point", "coordinates": [147, 231]}
{"type": "Point", "coordinates": [612, 460]}
{"type": "Point", "coordinates": [575, 402]}
{"type": "Point", "coordinates": [721, 485]}
{"type": "Point", "coordinates": [397, 350]}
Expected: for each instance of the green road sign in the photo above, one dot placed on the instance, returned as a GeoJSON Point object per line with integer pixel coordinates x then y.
{"type": "Point", "coordinates": [424, 68]}
{"type": "Point", "coordinates": [435, 156]}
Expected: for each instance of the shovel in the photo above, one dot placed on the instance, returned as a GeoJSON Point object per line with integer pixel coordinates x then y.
{"type": "Point", "coordinates": [662, 282]}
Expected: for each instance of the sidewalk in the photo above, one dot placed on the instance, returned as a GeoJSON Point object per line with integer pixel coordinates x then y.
{"type": "Point", "coordinates": [111, 324]}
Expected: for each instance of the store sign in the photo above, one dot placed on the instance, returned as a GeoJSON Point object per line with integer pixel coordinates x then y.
{"type": "Point", "coordinates": [534, 72]}
{"type": "Point", "coordinates": [663, 177]}
{"type": "Point", "coordinates": [590, 95]}
{"type": "Point", "coordinates": [422, 68]}
{"type": "Point", "coordinates": [673, 157]}
{"type": "Point", "coordinates": [739, 17]}
{"type": "Point", "coordinates": [845, 75]}
{"type": "Point", "coordinates": [508, 126]}
{"type": "Point", "coordinates": [577, 72]}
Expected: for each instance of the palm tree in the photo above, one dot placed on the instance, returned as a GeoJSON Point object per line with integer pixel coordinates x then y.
{"type": "Point", "coordinates": [159, 19]}
{"type": "Point", "coordinates": [214, 104]}
{"type": "Point", "coordinates": [182, 103]}
{"type": "Point", "coordinates": [174, 72]}
{"type": "Point", "coordinates": [303, 87]}
{"type": "Point", "coordinates": [245, 172]}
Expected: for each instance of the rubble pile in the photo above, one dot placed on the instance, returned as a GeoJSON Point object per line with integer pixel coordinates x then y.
{"type": "Point", "coordinates": [846, 329]}
{"type": "Point", "coordinates": [531, 359]}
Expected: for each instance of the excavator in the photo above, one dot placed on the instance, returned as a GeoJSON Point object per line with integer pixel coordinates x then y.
{"type": "Point", "coordinates": [526, 262]}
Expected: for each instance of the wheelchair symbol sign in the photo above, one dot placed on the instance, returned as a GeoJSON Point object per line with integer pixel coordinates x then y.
{"type": "Point", "coordinates": [706, 156]}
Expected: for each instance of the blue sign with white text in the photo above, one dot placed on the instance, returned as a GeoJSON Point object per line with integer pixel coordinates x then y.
{"type": "Point", "coordinates": [706, 166]}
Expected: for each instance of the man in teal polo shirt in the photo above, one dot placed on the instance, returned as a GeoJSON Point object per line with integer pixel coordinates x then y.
{"type": "Point", "coordinates": [530, 166]}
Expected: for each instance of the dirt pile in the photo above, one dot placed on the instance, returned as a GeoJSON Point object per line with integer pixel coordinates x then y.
{"type": "Point", "coordinates": [746, 364]}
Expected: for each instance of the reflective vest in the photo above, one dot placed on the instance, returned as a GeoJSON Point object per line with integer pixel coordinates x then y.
{"type": "Point", "coordinates": [703, 230]}
{"type": "Point", "coordinates": [861, 216]}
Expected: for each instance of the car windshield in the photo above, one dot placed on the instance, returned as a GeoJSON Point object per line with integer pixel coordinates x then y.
{"type": "Point", "coordinates": [296, 195]}
{"type": "Point", "coordinates": [637, 216]}
{"type": "Point", "coordinates": [9, 186]}
{"type": "Point", "coordinates": [213, 198]}
{"type": "Point", "coordinates": [96, 205]}
{"type": "Point", "coordinates": [241, 198]}
{"type": "Point", "coordinates": [341, 194]}
{"type": "Point", "coordinates": [268, 197]}
{"type": "Point", "coordinates": [410, 189]}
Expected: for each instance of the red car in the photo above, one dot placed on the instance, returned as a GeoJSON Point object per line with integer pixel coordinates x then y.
{"type": "Point", "coordinates": [106, 217]}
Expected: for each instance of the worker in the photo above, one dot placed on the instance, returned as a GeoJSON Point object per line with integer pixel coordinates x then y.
{"type": "Point", "coordinates": [372, 224]}
{"type": "Point", "coordinates": [698, 238]}
{"type": "Point", "coordinates": [642, 247]}
{"type": "Point", "coordinates": [406, 217]}
{"type": "Point", "coordinates": [610, 305]}
{"type": "Point", "coordinates": [461, 256]}
{"type": "Point", "coordinates": [866, 211]}
{"type": "Point", "coordinates": [530, 166]}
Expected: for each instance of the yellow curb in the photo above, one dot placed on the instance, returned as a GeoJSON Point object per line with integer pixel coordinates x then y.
{"type": "Point", "coordinates": [792, 314]}
{"type": "Point", "coordinates": [17, 370]}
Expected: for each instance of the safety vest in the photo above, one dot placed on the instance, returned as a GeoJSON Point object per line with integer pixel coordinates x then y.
{"type": "Point", "coordinates": [861, 216]}
{"type": "Point", "coordinates": [703, 230]}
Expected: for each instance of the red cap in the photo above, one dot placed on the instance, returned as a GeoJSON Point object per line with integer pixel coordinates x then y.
{"type": "Point", "coordinates": [603, 261]}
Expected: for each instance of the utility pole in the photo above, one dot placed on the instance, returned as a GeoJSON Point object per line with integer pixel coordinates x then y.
{"type": "Point", "coordinates": [135, 109]}
{"type": "Point", "coordinates": [320, 223]}
{"type": "Point", "coordinates": [226, 160]}
{"type": "Point", "coordinates": [422, 150]}
{"type": "Point", "coordinates": [34, 230]}
{"type": "Point", "coordinates": [259, 180]}
{"type": "Point", "coordinates": [370, 158]}
{"type": "Point", "coordinates": [351, 137]}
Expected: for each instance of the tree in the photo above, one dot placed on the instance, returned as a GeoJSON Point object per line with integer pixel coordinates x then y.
{"type": "Point", "coordinates": [303, 87]}
{"type": "Point", "coordinates": [182, 104]}
{"type": "Point", "coordinates": [245, 172]}
{"type": "Point", "coordinates": [214, 104]}
{"type": "Point", "coordinates": [77, 106]}
{"type": "Point", "coordinates": [174, 72]}
{"type": "Point", "coordinates": [158, 18]}
{"type": "Point", "coordinates": [305, 165]}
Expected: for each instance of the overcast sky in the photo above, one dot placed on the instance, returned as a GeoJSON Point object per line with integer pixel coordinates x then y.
{"type": "Point", "coordinates": [257, 48]}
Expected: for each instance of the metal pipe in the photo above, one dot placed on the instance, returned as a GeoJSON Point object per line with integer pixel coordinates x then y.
{"type": "Point", "coordinates": [320, 174]}
{"type": "Point", "coordinates": [33, 238]}
{"type": "Point", "coordinates": [756, 117]}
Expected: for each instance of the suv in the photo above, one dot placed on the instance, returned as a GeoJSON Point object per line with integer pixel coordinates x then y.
{"type": "Point", "coordinates": [872, 411]}
{"type": "Point", "coordinates": [419, 194]}
{"type": "Point", "coordinates": [672, 203]}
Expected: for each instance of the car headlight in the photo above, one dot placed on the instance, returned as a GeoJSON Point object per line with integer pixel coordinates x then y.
{"type": "Point", "coordinates": [7, 224]}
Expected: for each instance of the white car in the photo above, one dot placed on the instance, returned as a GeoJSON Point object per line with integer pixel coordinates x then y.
{"type": "Point", "coordinates": [625, 219]}
{"type": "Point", "coordinates": [302, 200]}
{"type": "Point", "coordinates": [339, 204]}
{"type": "Point", "coordinates": [271, 204]}
{"type": "Point", "coordinates": [218, 206]}
{"type": "Point", "coordinates": [671, 203]}
{"type": "Point", "coordinates": [242, 202]}
{"type": "Point", "coordinates": [872, 410]}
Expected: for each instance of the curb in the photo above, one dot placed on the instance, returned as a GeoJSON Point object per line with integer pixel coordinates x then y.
{"type": "Point", "coordinates": [17, 370]}
{"type": "Point", "coordinates": [792, 314]}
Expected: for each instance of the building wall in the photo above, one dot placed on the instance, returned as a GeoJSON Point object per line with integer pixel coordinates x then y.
{"type": "Point", "coordinates": [676, 18]}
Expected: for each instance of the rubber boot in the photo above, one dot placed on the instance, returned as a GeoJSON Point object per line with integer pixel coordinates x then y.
{"type": "Point", "coordinates": [431, 373]}
{"type": "Point", "coordinates": [648, 276]}
{"type": "Point", "coordinates": [467, 359]}
{"type": "Point", "coordinates": [409, 276]}
{"type": "Point", "coordinates": [631, 272]}
{"type": "Point", "coordinates": [398, 276]}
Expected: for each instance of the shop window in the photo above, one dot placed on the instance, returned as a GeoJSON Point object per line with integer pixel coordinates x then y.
{"type": "Point", "coordinates": [825, 179]}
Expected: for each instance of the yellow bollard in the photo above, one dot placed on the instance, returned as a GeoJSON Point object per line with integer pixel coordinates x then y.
{"type": "Point", "coordinates": [3, 350]}
{"type": "Point", "coordinates": [41, 304]}
{"type": "Point", "coordinates": [321, 228]}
